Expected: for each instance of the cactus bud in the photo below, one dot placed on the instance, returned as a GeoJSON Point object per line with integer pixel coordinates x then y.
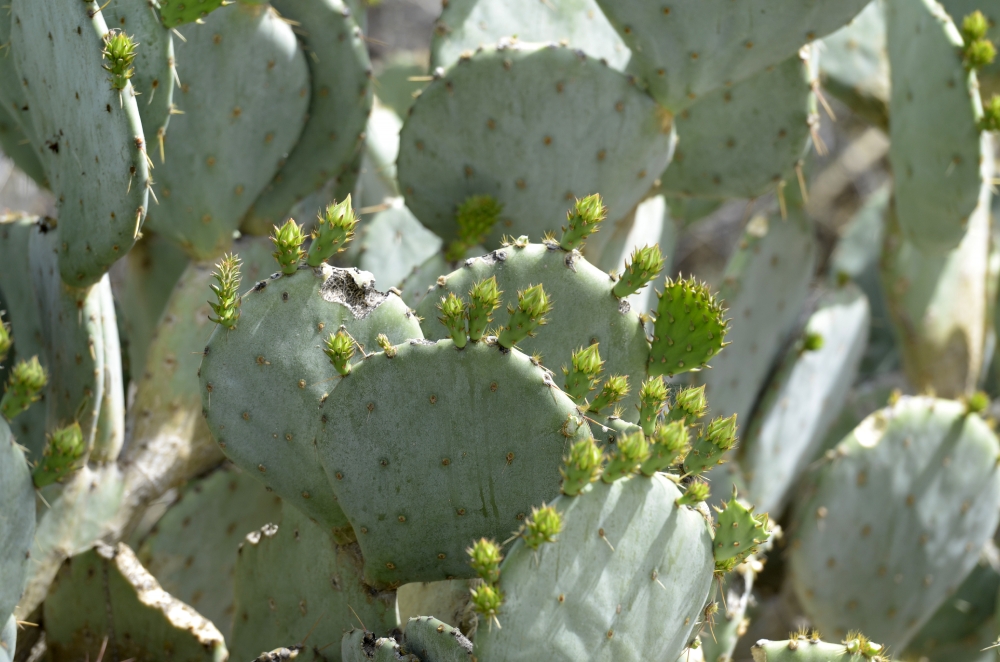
{"type": "Point", "coordinates": [978, 50]}
{"type": "Point", "coordinates": [710, 447]}
{"type": "Point", "coordinates": [119, 51]}
{"type": "Point", "coordinates": [613, 392]}
{"type": "Point", "coordinates": [475, 218]}
{"type": "Point", "coordinates": [339, 349]}
{"type": "Point", "coordinates": [977, 403]}
{"type": "Point", "coordinates": [630, 452]}
{"type": "Point", "coordinates": [62, 455]}
{"type": "Point", "coordinates": [652, 398]}
{"type": "Point", "coordinates": [582, 467]}
{"type": "Point", "coordinates": [586, 372]}
{"type": "Point", "coordinates": [974, 27]}
{"type": "Point", "coordinates": [991, 115]}
{"type": "Point", "coordinates": [532, 305]}
{"type": "Point", "coordinates": [485, 560]}
{"type": "Point", "coordinates": [812, 342]}
{"type": "Point", "coordinates": [387, 347]}
{"type": "Point", "coordinates": [695, 493]}
{"type": "Point", "coordinates": [642, 267]}
{"type": "Point", "coordinates": [288, 242]}
{"type": "Point", "coordinates": [858, 644]}
{"type": "Point", "coordinates": [690, 405]}
{"type": "Point", "coordinates": [484, 298]}
{"type": "Point", "coordinates": [24, 386]}
{"type": "Point", "coordinates": [487, 600]}
{"type": "Point", "coordinates": [582, 221]}
{"type": "Point", "coordinates": [227, 307]}
{"type": "Point", "coordinates": [5, 340]}
{"type": "Point", "coordinates": [668, 445]}
{"type": "Point", "coordinates": [543, 526]}
{"type": "Point", "coordinates": [453, 313]}
{"type": "Point", "coordinates": [334, 228]}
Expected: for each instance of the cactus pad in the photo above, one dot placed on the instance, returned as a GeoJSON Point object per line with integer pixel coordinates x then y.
{"type": "Point", "coordinates": [916, 490]}
{"type": "Point", "coordinates": [430, 639]}
{"type": "Point", "coordinates": [265, 384]}
{"type": "Point", "coordinates": [291, 578]}
{"type": "Point", "coordinates": [690, 328]}
{"type": "Point", "coordinates": [854, 64]}
{"type": "Point", "coordinates": [568, 280]}
{"type": "Point", "coordinates": [93, 149]}
{"type": "Point", "coordinates": [17, 522]}
{"type": "Point", "coordinates": [416, 415]}
{"type": "Point", "coordinates": [105, 595]}
{"type": "Point", "coordinates": [625, 549]}
{"type": "Point", "coordinates": [468, 133]}
{"type": "Point", "coordinates": [809, 648]}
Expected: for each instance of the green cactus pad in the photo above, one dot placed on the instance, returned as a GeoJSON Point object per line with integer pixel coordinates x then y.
{"type": "Point", "coordinates": [804, 398]}
{"type": "Point", "coordinates": [937, 304]}
{"type": "Point", "coordinates": [102, 203]}
{"type": "Point", "coordinates": [915, 489]}
{"type": "Point", "coordinates": [568, 279]}
{"type": "Point", "coordinates": [686, 51]}
{"type": "Point", "coordinates": [414, 415]}
{"type": "Point", "coordinates": [264, 385]}
{"type": "Point", "coordinates": [447, 601]}
{"type": "Point", "coordinates": [17, 522]}
{"type": "Point", "coordinates": [18, 148]}
{"type": "Point", "coordinates": [465, 25]}
{"type": "Point", "coordinates": [106, 593]}
{"type": "Point", "coordinates": [341, 98]}
{"type": "Point", "coordinates": [179, 12]}
{"type": "Point", "coordinates": [394, 243]}
{"type": "Point", "coordinates": [191, 550]}
{"type": "Point", "coordinates": [155, 73]}
{"type": "Point", "coordinates": [808, 649]}
{"type": "Point", "coordinates": [937, 180]}
{"type": "Point", "coordinates": [854, 64]}
{"type": "Point", "coordinates": [430, 639]}
{"type": "Point", "coordinates": [742, 141]}
{"type": "Point", "coordinates": [362, 646]}
{"type": "Point", "coordinates": [690, 328]}
{"type": "Point", "coordinates": [14, 101]}
{"type": "Point", "coordinates": [244, 96]}
{"type": "Point", "coordinates": [291, 578]}
{"type": "Point", "coordinates": [625, 550]}
{"type": "Point", "coordinates": [738, 533]}
{"type": "Point", "coordinates": [469, 131]}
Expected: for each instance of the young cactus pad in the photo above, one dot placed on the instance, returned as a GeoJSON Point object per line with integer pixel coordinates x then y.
{"type": "Point", "coordinates": [288, 246]}
{"type": "Point", "coordinates": [915, 490]}
{"type": "Point", "coordinates": [690, 328]}
{"type": "Point", "coordinates": [334, 228]}
{"type": "Point", "coordinates": [624, 550]}
{"type": "Point", "coordinates": [422, 410]}
{"type": "Point", "coordinates": [583, 220]}
{"type": "Point", "coordinates": [63, 455]}
{"type": "Point", "coordinates": [475, 217]}
{"type": "Point", "coordinates": [24, 387]}
{"type": "Point", "coordinates": [282, 397]}
{"type": "Point", "coordinates": [530, 313]}
{"type": "Point", "coordinates": [568, 280]}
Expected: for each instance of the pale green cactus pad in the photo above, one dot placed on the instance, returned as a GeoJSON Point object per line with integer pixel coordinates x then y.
{"type": "Point", "coordinates": [891, 524]}
{"type": "Point", "coordinates": [854, 64]}
{"type": "Point", "coordinates": [804, 397]}
{"type": "Point", "coordinates": [17, 520]}
{"type": "Point", "coordinates": [743, 141]}
{"type": "Point", "coordinates": [430, 639]}
{"type": "Point", "coordinates": [468, 133]}
{"type": "Point", "coordinates": [719, 642]}
{"type": "Point", "coordinates": [684, 51]}
{"type": "Point", "coordinates": [393, 243]}
{"type": "Point", "coordinates": [293, 582]}
{"type": "Point", "coordinates": [626, 549]}
{"type": "Point", "coordinates": [447, 601]}
{"type": "Point", "coordinates": [568, 280]}
{"type": "Point", "coordinates": [265, 384]}
{"type": "Point", "coordinates": [937, 303]}
{"type": "Point", "coordinates": [92, 148]}
{"type": "Point", "coordinates": [341, 98]}
{"type": "Point", "coordinates": [938, 179]}
{"type": "Point", "coordinates": [416, 415]}
{"type": "Point", "coordinates": [18, 148]}
{"type": "Point", "coordinates": [244, 96]}
{"type": "Point", "coordinates": [14, 101]}
{"type": "Point", "coordinates": [192, 549]}
{"type": "Point", "coordinates": [106, 595]}
{"type": "Point", "coordinates": [465, 25]}
{"type": "Point", "coordinates": [155, 74]}
{"type": "Point", "coordinates": [809, 648]}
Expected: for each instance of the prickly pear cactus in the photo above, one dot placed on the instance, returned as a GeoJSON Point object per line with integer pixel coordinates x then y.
{"type": "Point", "coordinates": [17, 523]}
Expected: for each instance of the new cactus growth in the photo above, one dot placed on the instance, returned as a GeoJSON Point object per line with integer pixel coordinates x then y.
{"type": "Point", "coordinates": [978, 50]}
{"type": "Point", "coordinates": [226, 289]}
{"type": "Point", "coordinates": [485, 558]}
{"type": "Point", "coordinates": [628, 455]}
{"type": "Point", "coordinates": [668, 445]}
{"type": "Point", "coordinates": [542, 526]}
{"type": "Point", "coordinates": [689, 405]}
{"type": "Point", "coordinates": [288, 246]}
{"type": "Point", "coordinates": [586, 372]}
{"type": "Point", "coordinates": [334, 228]}
{"type": "Point", "coordinates": [612, 392]}
{"type": "Point", "coordinates": [119, 51]}
{"type": "Point", "coordinates": [63, 454]}
{"type": "Point", "coordinates": [475, 218]}
{"type": "Point", "coordinates": [5, 340]}
{"type": "Point", "coordinates": [582, 466]}
{"type": "Point", "coordinates": [340, 350]}
{"type": "Point", "coordinates": [738, 534]}
{"type": "Point", "coordinates": [690, 328]}
{"type": "Point", "coordinates": [385, 345]}
{"type": "Point", "coordinates": [697, 492]}
{"type": "Point", "coordinates": [582, 221]}
{"type": "Point", "coordinates": [484, 298]}
{"type": "Point", "coordinates": [652, 398]}
{"type": "Point", "coordinates": [24, 386]}
{"type": "Point", "coordinates": [453, 316]}
{"type": "Point", "coordinates": [711, 445]}
{"type": "Point", "coordinates": [644, 265]}
{"type": "Point", "coordinates": [487, 600]}
{"type": "Point", "coordinates": [812, 342]}
{"type": "Point", "coordinates": [532, 306]}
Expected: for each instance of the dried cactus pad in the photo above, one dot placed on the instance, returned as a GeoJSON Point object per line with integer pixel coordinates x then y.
{"type": "Point", "coordinates": [265, 383]}
{"type": "Point", "coordinates": [485, 427]}
{"type": "Point", "coordinates": [589, 129]}
{"type": "Point", "coordinates": [894, 521]}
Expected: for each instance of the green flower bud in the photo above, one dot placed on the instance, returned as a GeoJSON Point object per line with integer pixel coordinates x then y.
{"type": "Point", "coordinates": [696, 492]}
{"type": "Point", "coordinates": [453, 317]}
{"type": "Point", "coordinates": [582, 221]}
{"type": "Point", "coordinates": [613, 392]}
{"type": "Point", "coordinates": [979, 53]}
{"type": "Point", "coordinates": [669, 444]}
{"type": "Point", "coordinates": [543, 526]}
{"type": "Point", "coordinates": [487, 600]}
{"type": "Point", "coordinates": [977, 403]}
{"type": "Point", "coordinates": [62, 455]}
{"type": "Point", "coordinates": [5, 340]}
{"type": "Point", "coordinates": [690, 405]}
{"type": "Point", "coordinates": [991, 115]}
{"type": "Point", "coordinates": [119, 51]}
{"type": "Point", "coordinates": [485, 558]}
{"type": "Point", "coordinates": [812, 341]}
{"type": "Point", "coordinates": [711, 446]}
{"type": "Point", "coordinates": [582, 467]}
{"type": "Point", "coordinates": [532, 305]}
{"type": "Point", "coordinates": [586, 372]}
{"type": "Point", "coordinates": [288, 241]}
{"type": "Point", "coordinates": [974, 27]}
{"type": "Point", "coordinates": [339, 349]}
{"type": "Point", "coordinates": [652, 398]}
{"type": "Point", "coordinates": [387, 347]}
{"type": "Point", "coordinates": [24, 386]}
{"type": "Point", "coordinates": [484, 298]}
{"type": "Point", "coordinates": [644, 265]}
{"type": "Point", "coordinates": [334, 228]}
{"type": "Point", "coordinates": [475, 218]}
{"type": "Point", "coordinates": [227, 306]}
{"type": "Point", "coordinates": [630, 452]}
